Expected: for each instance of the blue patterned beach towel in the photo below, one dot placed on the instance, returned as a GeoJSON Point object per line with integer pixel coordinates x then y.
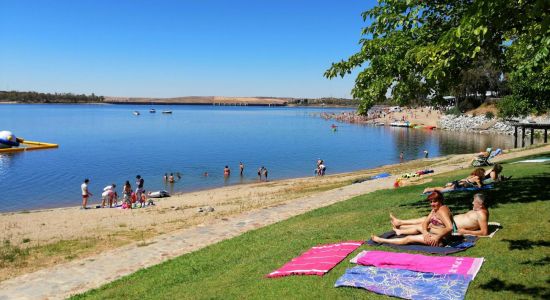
{"type": "Point", "coordinates": [406, 284]}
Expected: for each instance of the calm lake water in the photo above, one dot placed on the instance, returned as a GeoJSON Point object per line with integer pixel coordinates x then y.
{"type": "Point", "coordinates": [107, 144]}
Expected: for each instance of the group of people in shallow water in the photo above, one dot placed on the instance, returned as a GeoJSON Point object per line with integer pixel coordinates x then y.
{"type": "Point", "coordinates": [440, 224]}
{"type": "Point", "coordinates": [171, 178]}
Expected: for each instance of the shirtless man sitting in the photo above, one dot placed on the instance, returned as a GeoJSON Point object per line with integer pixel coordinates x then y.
{"type": "Point", "coordinates": [473, 222]}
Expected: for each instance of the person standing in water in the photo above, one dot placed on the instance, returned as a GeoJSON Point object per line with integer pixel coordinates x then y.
{"type": "Point", "coordinates": [241, 168]}
{"type": "Point", "coordinates": [264, 172]}
{"type": "Point", "coordinates": [401, 156]}
{"type": "Point", "coordinates": [226, 171]}
{"type": "Point", "coordinates": [260, 173]}
{"type": "Point", "coordinates": [426, 153]}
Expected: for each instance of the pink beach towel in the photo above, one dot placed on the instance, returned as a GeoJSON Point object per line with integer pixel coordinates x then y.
{"type": "Point", "coordinates": [420, 263]}
{"type": "Point", "coordinates": [317, 260]}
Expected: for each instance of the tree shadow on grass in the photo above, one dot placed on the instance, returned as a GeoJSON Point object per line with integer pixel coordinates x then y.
{"type": "Point", "coordinates": [497, 285]}
{"type": "Point", "coordinates": [539, 262]}
{"type": "Point", "coordinates": [517, 190]}
{"type": "Point", "coordinates": [525, 244]}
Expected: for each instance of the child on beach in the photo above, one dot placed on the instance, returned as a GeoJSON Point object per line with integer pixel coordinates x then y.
{"type": "Point", "coordinates": [127, 193]}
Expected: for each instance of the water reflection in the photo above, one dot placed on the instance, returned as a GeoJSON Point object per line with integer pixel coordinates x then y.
{"type": "Point", "coordinates": [5, 163]}
{"type": "Point", "coordinates": [413, 142]}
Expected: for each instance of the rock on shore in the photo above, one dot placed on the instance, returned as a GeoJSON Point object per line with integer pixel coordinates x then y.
{"type": "Point", "coordinates": [482, 124]}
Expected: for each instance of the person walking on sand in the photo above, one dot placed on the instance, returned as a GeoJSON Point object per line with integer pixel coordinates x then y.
{"type": "Point", "coordinates": [85, 193]}
{"type": "Point", "coordinates": [241, 168]}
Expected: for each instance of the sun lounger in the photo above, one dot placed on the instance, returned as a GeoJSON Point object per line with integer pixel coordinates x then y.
{"type": "Point", "coordinates": [483, 160]}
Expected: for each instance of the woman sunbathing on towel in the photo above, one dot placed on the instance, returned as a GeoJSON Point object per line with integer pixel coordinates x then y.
{"type": "Point", "coordinates": [434, 229]}
{"type": "Point", "coordinates": [474, 222]}
{"type": "Point", "coordinates": [474, 180]}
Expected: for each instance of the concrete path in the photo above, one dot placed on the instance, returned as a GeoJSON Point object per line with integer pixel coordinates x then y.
{"type": "Point", "coordinates": [67, 279]}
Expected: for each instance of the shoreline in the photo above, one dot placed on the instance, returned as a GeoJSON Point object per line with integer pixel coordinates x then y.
{"type": "Point", "coordinates": [186, 104]}
{"type": "Point", "coordinates": [91, 232]}
{"type": "Point", "coordinates": [280, 181]}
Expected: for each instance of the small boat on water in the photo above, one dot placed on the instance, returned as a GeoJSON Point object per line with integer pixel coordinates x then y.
{"type": "Point", "coordinates": [166, 111]}
{"type": "Point", "coordinates": [400, 124]}
{"type": "Point", "coordinates": [136, 113]}
{"type": "Point", "coordinates": [152, 110]}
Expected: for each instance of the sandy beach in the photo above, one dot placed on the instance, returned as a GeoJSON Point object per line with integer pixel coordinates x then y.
{"type": "Point", "coordinates": [93, 231]}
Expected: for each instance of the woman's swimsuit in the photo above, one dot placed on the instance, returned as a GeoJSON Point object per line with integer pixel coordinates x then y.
{"type": "Point", "coordinates": [437, 222]}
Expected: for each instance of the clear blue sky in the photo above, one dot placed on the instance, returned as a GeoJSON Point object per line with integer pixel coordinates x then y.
{"type": "Point", "coordinates": [178, 48]}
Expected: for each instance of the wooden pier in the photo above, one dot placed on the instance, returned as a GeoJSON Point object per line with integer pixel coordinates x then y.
{"type": "Point", "coordinates": [531, 126]}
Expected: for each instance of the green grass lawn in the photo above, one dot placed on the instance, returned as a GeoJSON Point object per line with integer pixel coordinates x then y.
{"type": "Point", "coordinates": [516, 266]}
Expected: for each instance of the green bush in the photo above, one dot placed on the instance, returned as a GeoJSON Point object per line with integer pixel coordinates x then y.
{"type": "Point", "coordinates": [489, 115]}
{"type": "Point", "coordinates": [512, 106]}
{"type": "Point", "coordinates": [454, 111]}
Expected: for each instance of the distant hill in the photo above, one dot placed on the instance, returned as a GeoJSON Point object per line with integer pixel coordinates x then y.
{"type": "Point", "coordinates": [35, 97]}
{"type": "Point", "coordinates": [206, 100]}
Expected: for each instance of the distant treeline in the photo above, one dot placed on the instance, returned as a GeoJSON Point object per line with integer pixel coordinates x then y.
{"type": "Point", "coordinates": [326, 101]}
{"type": "Point", "coordinates": [34, 97]}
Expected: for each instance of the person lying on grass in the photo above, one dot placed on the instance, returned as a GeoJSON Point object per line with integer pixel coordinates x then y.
{"type": "Point", "coordinates": [493, 175]}
{"type": "Point", "coordinates": [474, 180]}
{"type": "Point", "coordinates": [474, 222]}
{"type": "Point", "coordinates": [437, 226]}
